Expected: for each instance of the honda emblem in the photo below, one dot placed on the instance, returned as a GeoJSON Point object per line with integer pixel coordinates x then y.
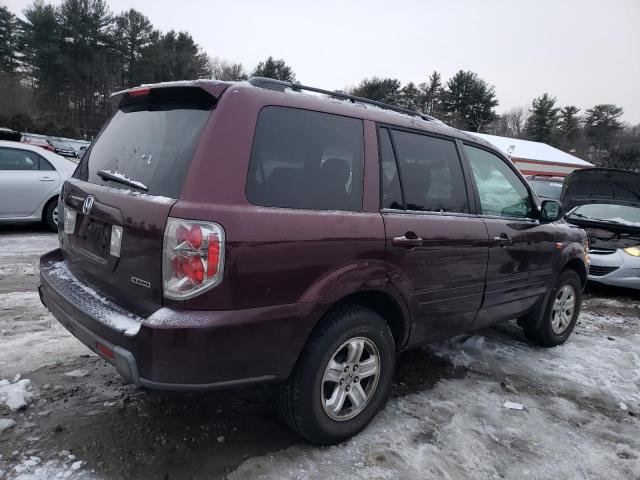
{"type": "Point", "coordinates": [88, 204]}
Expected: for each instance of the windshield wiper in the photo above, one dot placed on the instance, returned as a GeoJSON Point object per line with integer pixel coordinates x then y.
{"type": "Point", "coordinates": [598, 220]}
{"type": "Point", "coordinates": [116, 176]}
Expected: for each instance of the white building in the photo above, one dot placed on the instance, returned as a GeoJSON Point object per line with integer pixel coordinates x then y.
{"type": "Point", "coordinates": [536, 158]}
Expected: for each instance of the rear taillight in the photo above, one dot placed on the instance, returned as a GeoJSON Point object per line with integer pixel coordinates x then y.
{"type": "Point", "coordinates": [193, 258]}
{"type": "Point", "coordinates": [69, 220]}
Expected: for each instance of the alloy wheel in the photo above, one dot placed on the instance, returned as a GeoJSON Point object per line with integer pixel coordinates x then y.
{"type": "Point", "coordinates": [350, 379]}
{"type": "Point", "coordinates": [563, 308]}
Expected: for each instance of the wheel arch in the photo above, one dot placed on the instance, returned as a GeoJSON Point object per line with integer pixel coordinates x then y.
{"type": "Point", "coordinates": [391, 308]}
{"type": "Point", "coordinates": [46, 204]}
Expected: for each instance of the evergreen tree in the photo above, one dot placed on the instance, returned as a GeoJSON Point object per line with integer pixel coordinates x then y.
{"type": "Point", "coordinates": [569, 127]}
{"type": "Point", "coordinates": [602, 124]}
{"type": "Point", "coordinates": [432, 93]}
{"type": "Point", "coordinates": [277, 69]}
{"type": "Point", "coordinates": [133, 33]}
{"type": "Point", "coordinates": [543, 121]}
{"type": "Point", "coordinates": [8, 41]}
{"type": "Point", "coordinates": [411, 97]}
{"type": "Point", "coordinates": [468, 102]}
{"type": "Point", "coordinates": [380, 89]}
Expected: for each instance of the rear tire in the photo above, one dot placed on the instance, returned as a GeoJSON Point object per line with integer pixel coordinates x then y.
{"type": "Point", "coordinates": [328, 403]}
{"type": "Point", "coordinates": [51, 215]}
{"type": "Point", "coordinates": [560, 313]}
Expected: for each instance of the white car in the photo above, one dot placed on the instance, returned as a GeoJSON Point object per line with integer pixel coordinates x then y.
{"type": "Point", "coordinates": [30, 182]}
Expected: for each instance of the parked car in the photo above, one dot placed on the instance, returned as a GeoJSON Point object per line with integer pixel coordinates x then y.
{"type": "Point", "coordinates": [62, 148]}
{"type": "Point", "coordinates": [546, 186]}
{"type": "Point", "coordinates": [222, 234]}
{"type": "Point", "coordinates": [30, 181]}
{"type": "Point", "coordinates": [606, 203]}
{"type": "Point", "coordinates": [38, 142]}
{"type": "Point", "coordinates": [10, 135]}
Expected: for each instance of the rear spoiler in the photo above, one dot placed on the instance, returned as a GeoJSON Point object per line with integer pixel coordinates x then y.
{"type": "Point", "coordinates": [188, 90]}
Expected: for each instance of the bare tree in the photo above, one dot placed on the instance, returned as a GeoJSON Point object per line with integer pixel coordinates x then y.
{"type": "Point", "coordinates": [227, 71]}
{"type": "Point", "coordinates": [515, 120]}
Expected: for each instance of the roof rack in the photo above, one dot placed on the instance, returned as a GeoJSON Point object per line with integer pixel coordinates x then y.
{"type": "Point", "coordinates": [280, 85]}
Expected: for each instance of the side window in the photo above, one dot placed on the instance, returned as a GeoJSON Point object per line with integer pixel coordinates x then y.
{"type": "Point", "coordinates": [44, 164]}
{"type": "Point", "coordinates": [431, 173]}
{"type": "Point", "coordinates": [501, 192]}
{"type": "Point", "coordinates": [305, 159]}
{"type": "Point", "coordinates": [389, 179]}
{"type": "Point", "coordinates": [16, 159]}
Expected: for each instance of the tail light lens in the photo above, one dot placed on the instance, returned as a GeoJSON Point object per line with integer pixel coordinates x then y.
{"type": "Point", "coordinates": [193, 258]}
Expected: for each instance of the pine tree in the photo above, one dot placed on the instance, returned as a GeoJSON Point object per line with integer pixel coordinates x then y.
{"type": "Point", "coordinates": [277, 69]}
{"type": "Point", "coordinates": [133, 33]}
{"type": "Point", "coordinates": [385, 90]}
{"type": "Point", "coordinates": [432, 93]}
{"type": "Point", "coordinates": [411, 97]}
{"type": "Point", "coordinates": [569, 127]}
{"type": "Point", "coordinates": [468, 102]}
{"type": "Point", "coordinates": [8, 41]}
{"type": "Point", "coordinates": [602, 124]}
{"type": "Point", "coordinates": [543, 121]}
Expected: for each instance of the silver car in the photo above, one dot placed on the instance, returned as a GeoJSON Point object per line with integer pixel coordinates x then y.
{"type": "Point", "coordinates": [606, 204]}
{"type": "Point", "coordinates": [30, 181]}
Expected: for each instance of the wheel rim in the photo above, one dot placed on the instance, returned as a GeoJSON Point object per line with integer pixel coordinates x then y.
{"type": "Point", "coordinates": [563, 308]}
{"type": "Point", "coordinates": [350, 379]}
{"type": "Point", "coordinates": [54, 216]}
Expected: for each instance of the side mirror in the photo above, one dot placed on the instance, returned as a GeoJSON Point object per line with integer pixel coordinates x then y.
{"type": "Point", "coordinates": [550, 211]}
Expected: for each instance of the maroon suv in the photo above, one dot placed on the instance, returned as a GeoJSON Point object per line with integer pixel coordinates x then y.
{"type": "Point", "coordinates": [220, 234]}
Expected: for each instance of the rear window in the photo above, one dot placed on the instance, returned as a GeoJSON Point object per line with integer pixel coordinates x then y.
{"type": "Point", "coordinates": [151, 143]}
{"type": "Point", "coordinates": [308, 160]}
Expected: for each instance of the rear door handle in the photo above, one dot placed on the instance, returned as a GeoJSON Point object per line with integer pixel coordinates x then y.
{"type": "Point", "coordinates": [47, 179]}
{"type": "Point", "coordinates": [405, 241]}
{"type": "Point", "coordinates": [503, 239]}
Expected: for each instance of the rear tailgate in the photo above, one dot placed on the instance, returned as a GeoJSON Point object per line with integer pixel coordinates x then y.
{"type": "Point", "coordinates": [134, 279]}
{"type": "Point", "coordinates": [124, 187]}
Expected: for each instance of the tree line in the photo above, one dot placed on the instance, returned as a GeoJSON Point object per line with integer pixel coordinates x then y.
{"type": "Point", "coordinates": [59, 65]}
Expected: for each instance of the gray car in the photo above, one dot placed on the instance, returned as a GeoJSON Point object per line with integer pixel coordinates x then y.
{"type": "Point", "coordinates": [606, 204]}
{"type": "Point", "coordinates": [30, 182]}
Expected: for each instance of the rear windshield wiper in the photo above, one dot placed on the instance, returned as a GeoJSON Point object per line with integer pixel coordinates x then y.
{"type": "Point", "coordinates": [116, 176]}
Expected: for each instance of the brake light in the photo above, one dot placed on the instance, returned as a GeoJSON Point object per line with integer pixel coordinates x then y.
{"type": "Point", "coordinates": [139, 92]}
{"type": "Point", "coordinates": [193, 258]}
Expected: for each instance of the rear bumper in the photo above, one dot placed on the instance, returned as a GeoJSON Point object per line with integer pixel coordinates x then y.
{"type": "Point", "coordinates": [179, 349]}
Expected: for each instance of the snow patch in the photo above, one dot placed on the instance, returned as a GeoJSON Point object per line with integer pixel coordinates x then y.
{"type": "Point", "coordinates": [17, 395]}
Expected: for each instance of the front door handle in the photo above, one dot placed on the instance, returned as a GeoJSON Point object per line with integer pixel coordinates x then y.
{"type": "Point", "coordinates": [503, 239]}
{"type": "Point", "coordinates": [46, 179]}
{"type": "Point", "coordinates": [405, 241]}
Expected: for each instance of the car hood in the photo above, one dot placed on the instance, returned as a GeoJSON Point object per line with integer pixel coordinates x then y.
{"type": "Point", "coordinates": [600, 185]}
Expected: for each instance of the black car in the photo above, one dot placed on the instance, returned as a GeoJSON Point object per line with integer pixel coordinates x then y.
{"type": "Point", "coordinates": [62, 148]}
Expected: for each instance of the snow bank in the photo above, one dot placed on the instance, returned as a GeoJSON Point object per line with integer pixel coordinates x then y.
{"type": "Point", "coordinates": [17, 395]}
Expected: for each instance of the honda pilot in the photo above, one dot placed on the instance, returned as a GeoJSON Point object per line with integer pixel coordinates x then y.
{"type": "Point", "coordinates": [221, 234]}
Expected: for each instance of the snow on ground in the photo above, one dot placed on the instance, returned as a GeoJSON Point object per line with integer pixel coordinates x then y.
{"type": "Point", "coordinates": [30, 336]}
{"type": "Point", "coordinates": [573, 423]}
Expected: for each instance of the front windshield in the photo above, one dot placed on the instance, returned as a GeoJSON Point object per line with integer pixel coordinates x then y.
{"type": "Point", "coordinates": [622, 214]}
{"type": "Point", "coordinates": [547, 188]}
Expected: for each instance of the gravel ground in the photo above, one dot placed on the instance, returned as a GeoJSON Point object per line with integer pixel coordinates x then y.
{"type": "Point", "coordinates": [445, 419]}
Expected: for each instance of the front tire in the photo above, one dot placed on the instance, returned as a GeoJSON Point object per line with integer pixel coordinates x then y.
{"type": "Point", "coordinates": [342, 377]}
{"type": "Point", "coordinates": [560, 313]}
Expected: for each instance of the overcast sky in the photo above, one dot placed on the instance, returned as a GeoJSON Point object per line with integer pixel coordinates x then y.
{"type": "Point", "coordinates": [584, 52]}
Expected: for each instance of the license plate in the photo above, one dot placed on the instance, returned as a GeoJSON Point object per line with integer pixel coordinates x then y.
{"type": "Point", "coordinates": [94, 237]}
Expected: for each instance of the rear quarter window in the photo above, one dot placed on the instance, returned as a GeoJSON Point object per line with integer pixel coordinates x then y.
{"type": "Point", "coordinates": [151, 142]}
{"type": "Point", "coordinates": [307, 160]}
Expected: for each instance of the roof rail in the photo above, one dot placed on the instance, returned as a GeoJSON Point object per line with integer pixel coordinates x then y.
{"type": "Point", "coordinates": [279, 85]}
